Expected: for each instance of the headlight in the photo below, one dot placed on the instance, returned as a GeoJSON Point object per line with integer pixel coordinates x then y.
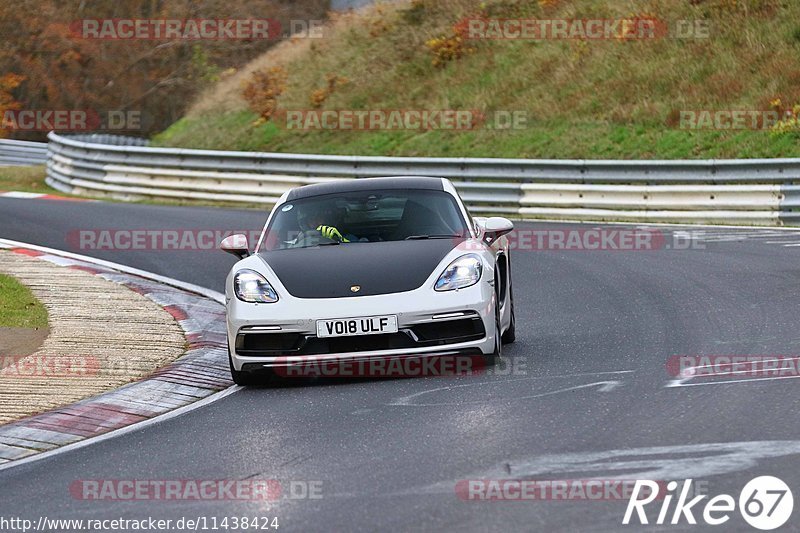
{"type": "Point", "coordinates": [252, 287]}
{"type": "Point", "coordinates": [463, 272]}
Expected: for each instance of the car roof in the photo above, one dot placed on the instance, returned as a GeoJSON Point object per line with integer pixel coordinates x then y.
{"type": "Point", "coordinates": [365, 184]}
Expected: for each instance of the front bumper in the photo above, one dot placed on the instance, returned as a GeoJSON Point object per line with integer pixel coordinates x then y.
{"type": "Point", "coordinates": [430, 324]}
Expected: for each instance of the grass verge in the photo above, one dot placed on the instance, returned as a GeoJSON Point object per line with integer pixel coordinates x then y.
{"type": "Point", "coordinates": [25, 179]}
{"type": "Point", "coordinates": [18, 307]}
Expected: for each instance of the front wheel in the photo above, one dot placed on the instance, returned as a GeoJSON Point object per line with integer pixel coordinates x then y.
{"type": "Point", "coordinates": [494, 358]}
{"type": "Point", "coordinates": [511, 333]}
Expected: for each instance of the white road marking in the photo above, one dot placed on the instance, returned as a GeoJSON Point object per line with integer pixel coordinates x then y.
{"type": "Point", "coordinates": [603, 386]}
{"type": "Point", "coordinates": [696, 461]}
{"type": "Point", "coordinates": [20, 194]}
{"type": "Point", "coordinates": [677, 382]}
{"type": "Point", "coordinates": [729, 381]}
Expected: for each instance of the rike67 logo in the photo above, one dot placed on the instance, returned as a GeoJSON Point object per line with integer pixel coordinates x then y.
{"type": "Point", "coordinates": [765, 503]}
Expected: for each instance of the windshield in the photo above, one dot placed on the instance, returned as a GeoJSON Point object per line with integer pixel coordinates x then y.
{"type": "Point", "coordinates": [363, 217]}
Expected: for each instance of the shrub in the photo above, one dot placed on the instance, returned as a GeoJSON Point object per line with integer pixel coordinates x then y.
{"type": "Point", "coordinates": [263, 90]}
{"type": "Point", "coordinates": [789, 124]}
{"type": "Point", "coordinates": [318, 96]}
{"type": "Point", "coordinates": [450, 47]}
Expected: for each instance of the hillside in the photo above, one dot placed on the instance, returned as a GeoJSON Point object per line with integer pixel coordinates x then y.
{"type": "Point", "coordinates": [580, 98]}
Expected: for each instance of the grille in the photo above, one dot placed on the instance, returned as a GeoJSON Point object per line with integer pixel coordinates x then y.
{"type": "Point", "coordinates": [437, 333]}
{"type": "Point", "coordinates": [267, 343]}
{"type": "Point", "coordinates": [449, 331]}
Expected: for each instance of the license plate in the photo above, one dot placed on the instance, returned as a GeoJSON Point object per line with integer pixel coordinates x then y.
{"type": "Point", "coordinates": [368, 325]}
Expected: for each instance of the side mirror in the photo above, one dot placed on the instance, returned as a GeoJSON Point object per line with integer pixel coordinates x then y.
{"type": "Point", "coordinates": [236, 245]}
{"type": "Point", "coordinates": [493, 228]}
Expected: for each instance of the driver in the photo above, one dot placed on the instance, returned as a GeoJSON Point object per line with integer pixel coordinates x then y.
{"type": "Point", "coordinates": [321, 220]}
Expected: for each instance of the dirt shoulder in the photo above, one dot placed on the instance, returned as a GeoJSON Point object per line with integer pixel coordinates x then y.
{"type": "Point", "coordinates": [102, 335]}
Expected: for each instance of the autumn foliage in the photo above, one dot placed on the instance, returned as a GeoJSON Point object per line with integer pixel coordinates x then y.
{"type": "Point", "coordinates": [263, 89]}
{"type": "Point", "coordinates": [8, 82]}
{"type": "Point", "coordinates": [333, 82]}
{"type": "Point", "coordinates": [45, 65]}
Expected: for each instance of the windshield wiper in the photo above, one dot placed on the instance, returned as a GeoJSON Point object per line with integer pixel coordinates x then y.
{"type": "Point", "coordinates": [433, 236]}
{"type": "Point", "coordinates": [332, 243]}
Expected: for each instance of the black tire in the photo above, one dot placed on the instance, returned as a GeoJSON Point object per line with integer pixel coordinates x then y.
{"type": "Point", "coordinates": [244, 379]}
{"type": "Point", "coordinates": [510, 334]}
{"type": "Point", "coordinates": [494, 357]}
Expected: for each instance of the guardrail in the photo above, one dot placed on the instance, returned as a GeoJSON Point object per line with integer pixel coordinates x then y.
{"type": "Point", "coordinates": [756, 191]}
{"type": "Point", "coordinates": [22, 153]}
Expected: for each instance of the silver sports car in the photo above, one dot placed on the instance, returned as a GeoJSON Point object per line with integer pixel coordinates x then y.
{"type": "Point", "coordinates": [368, 270]}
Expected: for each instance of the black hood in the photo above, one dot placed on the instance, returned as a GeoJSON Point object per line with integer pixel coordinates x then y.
{"type": "Point", "coordinates": [377, 267]}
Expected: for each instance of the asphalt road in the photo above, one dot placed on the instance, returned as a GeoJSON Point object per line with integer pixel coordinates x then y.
{"type": "Point", "coordinates": [587, 396]}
